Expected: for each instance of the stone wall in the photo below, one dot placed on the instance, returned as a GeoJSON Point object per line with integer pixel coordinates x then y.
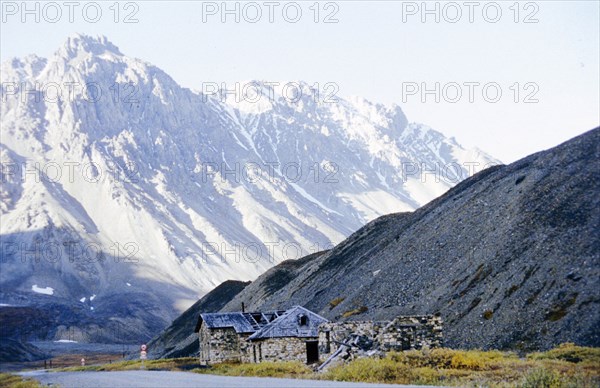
{"type": "Point", "coordinates": [279, 349]}
{"type": "Point", "coordinates": [402, 333]}
{"type": "Point", "coordinates": [220, 345]}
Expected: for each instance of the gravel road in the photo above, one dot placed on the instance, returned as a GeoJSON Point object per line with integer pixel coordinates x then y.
{"type": "Point", "coordinates": [160, 379]}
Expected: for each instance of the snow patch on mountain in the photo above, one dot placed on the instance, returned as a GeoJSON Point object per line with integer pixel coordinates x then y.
{"type": "Point", "coordinates": [42, 290]}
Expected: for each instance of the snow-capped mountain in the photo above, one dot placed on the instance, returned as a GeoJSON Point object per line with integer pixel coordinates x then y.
{"type": "Point", "coordinates": [118, 181]}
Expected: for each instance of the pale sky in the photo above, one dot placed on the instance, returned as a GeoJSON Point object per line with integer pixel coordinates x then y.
{"type": "Point", "coordinates": [546, 50]}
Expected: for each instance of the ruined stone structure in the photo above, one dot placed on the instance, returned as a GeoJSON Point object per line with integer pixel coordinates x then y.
{"type": "Point", "coordinates": [292, 336]}
{"type": "Point", "coordinates": [223, 336]}
{"type": "Point", "coordinates": [256, 337]}
{"type": "Point", "coordinates": [402, 333]}
{"type": "Point", "coordinates": [299, 334]}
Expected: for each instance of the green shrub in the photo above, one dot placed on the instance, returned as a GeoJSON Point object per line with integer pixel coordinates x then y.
{"type": "Point", "coordinates": [271, 369]}
{"type": "Point", "coordinates": [569, 352]}
{"type": "Point", "coordinates": [370, 370]}
{"type": "Point", "coordinates": [476, 359]}
{"type": "Point", "coordinates": [542, 378]}
{"type": "Point", "coordinates": [426, 376]}
{"type": "Point", "coordinates": [263, 369]}
{"type": "Point", "coordinates": [450, 358]}
{"type": "Point", "coordinates": [441, 357]}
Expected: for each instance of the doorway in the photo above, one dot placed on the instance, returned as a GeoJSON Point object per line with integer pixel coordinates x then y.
{"type": "Point", "coordinates": [312, 352]}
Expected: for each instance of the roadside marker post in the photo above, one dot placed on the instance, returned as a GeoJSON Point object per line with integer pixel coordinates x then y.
{"type": "Point", "coordinates": [143, 354]}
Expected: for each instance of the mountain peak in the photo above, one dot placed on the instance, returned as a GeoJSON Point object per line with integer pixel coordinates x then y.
{"type": "Point", "coordinates": [78, 43]}
{"type": "Point", "coordinates": [184, 174]}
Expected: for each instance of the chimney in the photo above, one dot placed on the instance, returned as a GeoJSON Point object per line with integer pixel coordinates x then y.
{"type": "Point", "coordinates": [243, 308]}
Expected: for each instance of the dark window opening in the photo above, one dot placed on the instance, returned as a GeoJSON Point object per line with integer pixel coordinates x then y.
{"type": "Point", "coordinates": [303, 320]}
{"type": "Point", "coordinates": [408, 341]}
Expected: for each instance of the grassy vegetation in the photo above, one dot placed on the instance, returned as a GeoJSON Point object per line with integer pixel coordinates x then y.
{"type": "Point", "coordinates": [173, 364]}
{"type": "Point", "coordinates": [563, 367]}
{"type": "Point", "coordinates": [291, 369]}
{"type": "Point", "coordinates": [569, 352]}
{"type": "Point", "coordinates": [14, 381]}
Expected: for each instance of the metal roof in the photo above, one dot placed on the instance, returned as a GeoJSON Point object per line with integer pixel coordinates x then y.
{"type": "Point", "coordinates": [240, 322]}
{"type": "Point", "coordinates": [292, 324]}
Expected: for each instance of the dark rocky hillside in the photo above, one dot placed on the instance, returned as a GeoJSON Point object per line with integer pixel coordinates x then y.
{"type": "Point", "coordinates": [12, 350]}
{"type": "Point", "coordinates": [179, 339]}
{"type": "Point", "coordinates": [509, 257]}
{"type": "Point", "coordinates": [272, 281]}
{"type": "Point", "coordinates": [35, 317]}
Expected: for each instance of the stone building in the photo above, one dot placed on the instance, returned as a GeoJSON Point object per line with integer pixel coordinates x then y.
{"type": "Point", "coordinates": [292, 336]}
{"type": "Point", "coordinates": [223, 336]}
{"type": "Point", "coordinates": [401, 333]}
{"type": "Point", "coordinates": [259, 336]}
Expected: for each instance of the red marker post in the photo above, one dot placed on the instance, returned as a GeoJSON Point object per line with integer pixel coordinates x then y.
{"type": "Point", "coordinates": [143, 354]}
